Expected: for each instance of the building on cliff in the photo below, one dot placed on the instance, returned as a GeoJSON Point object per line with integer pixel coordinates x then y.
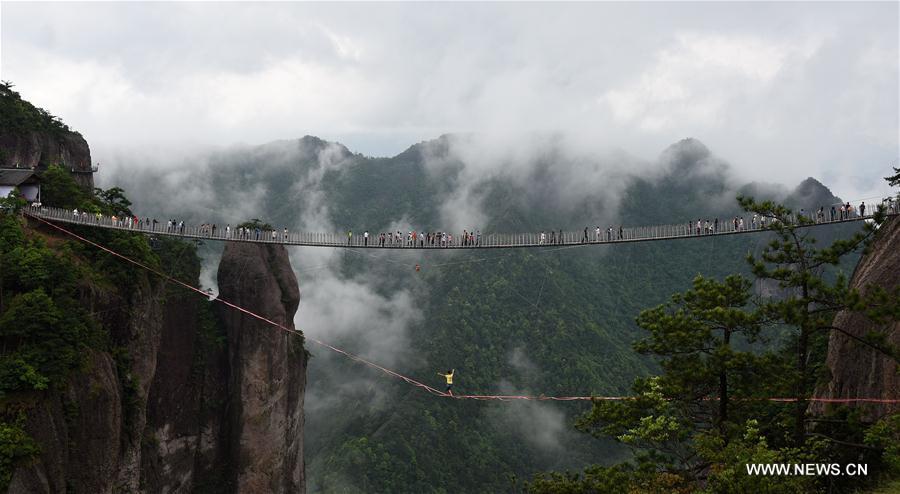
{"type": "Point", "coordinates": [27, 181]}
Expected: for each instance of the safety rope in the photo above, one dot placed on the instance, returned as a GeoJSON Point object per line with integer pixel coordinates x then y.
{"type": "Point", "coordinates": [390, 372]}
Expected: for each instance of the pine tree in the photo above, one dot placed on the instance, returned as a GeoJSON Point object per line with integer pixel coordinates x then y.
{"type": "Point", "coordinates": [696, 335]}
{"type": "Point", "coordinates": [808, 301]}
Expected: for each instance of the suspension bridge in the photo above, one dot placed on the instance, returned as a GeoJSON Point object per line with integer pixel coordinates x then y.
{"type": "Point", "coordinates": [443, 240]}
{"type": "Point", "coordinates": [46, 216]}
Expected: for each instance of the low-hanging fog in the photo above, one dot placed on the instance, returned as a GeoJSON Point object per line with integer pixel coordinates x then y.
{"type": "Point", "coordinates": [197, 110]}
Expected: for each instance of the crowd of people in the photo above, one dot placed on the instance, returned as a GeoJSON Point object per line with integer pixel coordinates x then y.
{"type": "Point", "coordinates": [473, 238]}
{"type": "Point", "coordinates": [415, 238]}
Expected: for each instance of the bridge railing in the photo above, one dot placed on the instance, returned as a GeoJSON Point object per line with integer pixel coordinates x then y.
{"type": "Point", "coordinates": [587, 236]}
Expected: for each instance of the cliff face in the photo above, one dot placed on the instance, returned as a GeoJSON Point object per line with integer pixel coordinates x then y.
{"type": "Point", "coordinates": [225, 410]}
{"type": "Point", "coordinates": [267, 370]}
{"type": "Point", "coordinates": [184, 444]}
{"type": "Point", "coordinates": [190, 400]}
{"type": "Point", "coordinates": [40, 149]}
{"type": "Point", "coordinates": [90, 431]}
{"type": "Point", "coordinates": [857, 370]}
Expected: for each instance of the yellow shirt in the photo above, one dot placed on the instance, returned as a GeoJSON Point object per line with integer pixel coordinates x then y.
{"type": "Point", "coordinates": [449, 377]}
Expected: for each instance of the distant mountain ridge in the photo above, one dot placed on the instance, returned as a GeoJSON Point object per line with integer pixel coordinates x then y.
{"type": "Point", "coordinates": [554, 323]}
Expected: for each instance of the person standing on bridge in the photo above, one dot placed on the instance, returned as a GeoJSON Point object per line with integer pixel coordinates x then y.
{"type": "Point", "coordinates": [585, 237]}
{"type": "Point", "coordinates": [366, 238]}
{"type": "Point", "coordinates": [832, 212]}
{"type": "Point", "coordinates": [862, 209]}
{"type": "Point", "coordinates": [228, 230]}
{"type": "Point", "coordinates": [349, 236]}
{"type": "Point", "coordinates": [449, 377]}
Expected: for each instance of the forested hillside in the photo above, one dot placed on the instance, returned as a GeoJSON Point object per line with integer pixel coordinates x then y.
{"type": "Point", "coordinates": [554, 322]}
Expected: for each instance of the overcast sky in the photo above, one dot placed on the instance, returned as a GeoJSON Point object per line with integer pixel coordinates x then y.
{"type": "Point", "coordinates": [781, 91]}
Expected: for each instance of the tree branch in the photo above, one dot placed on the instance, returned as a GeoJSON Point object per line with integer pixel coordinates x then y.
{"type": "Point", "coordinates": [842, 443]}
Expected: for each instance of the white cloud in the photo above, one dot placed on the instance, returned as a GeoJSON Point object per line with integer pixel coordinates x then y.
{"type": "Point", "coordinates": [694, 82]}
{"type": "Point", "coordinates": [782, 90]}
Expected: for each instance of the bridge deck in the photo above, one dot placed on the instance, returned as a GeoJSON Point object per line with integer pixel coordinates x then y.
{"type": "Point", "coordinates": [488, 241]}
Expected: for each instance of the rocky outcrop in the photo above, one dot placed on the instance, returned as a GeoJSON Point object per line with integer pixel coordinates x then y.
{"type": "Point", "coordinates": [79, 431]}
{"type": "Point", "coordinates": [175, 398]}
{"type": "Point", "coordinates": [267, 369]}
{"type": "Point", "coordinates": [40, 149]}
{"type": "Point", "coordinates": [226, 407]}
{"type": "Point", "coordinates": [184, 444]}
{"type": "Point", "coordinates": [189, 400]}
{"type": "Point", "coordinates": [858, 370]}
{"type": "Point", "coordinates": [90, 432]}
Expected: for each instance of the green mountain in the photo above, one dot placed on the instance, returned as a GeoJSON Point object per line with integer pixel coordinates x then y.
{"type": "Point", "coordinates": [553, 322]}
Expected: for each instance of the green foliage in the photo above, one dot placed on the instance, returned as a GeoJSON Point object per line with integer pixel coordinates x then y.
{"type": "Point", "coordinates": [885, 435]}
{"type": "Point", "coordinates": [131, 401]}
{"type": "Point", "coordinates": [894, 180]}
{"type": "Point", "coordinates": [623, 478]}
{"type": "Point", "coordinates": [211, 339]}
{"type": "Point", "coordinates": [19, 117]}
{"type": "Point", "coordinates": [809, 301]}
{"type": "Point", "coordinates": [114, 201]}
{"type": "Point", "coordinates": [698, 425]}
{"type": "Point", "coordinates": [705, 386]}
{"type": "Point", "coordinates": [254, 224]}
{"type": "Point", "coordinates": [11, 233]}
{"type": "Point", "coordinates": [58, 189]}
{"type": "Point", "coordinates": [177, 258]}
{"type": "Point", "coordinates": [16, 448]}
{"type": "Point", "coordinates": [43, 341]}
{"type": "Point", "coordinates": [13, 203]}
{"type": "Point", "coordinates": [696, 333]}
{"type": "Point", "coordinates": [45, 330]}
{"type": "Point", "coordinates": [729, 460]}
